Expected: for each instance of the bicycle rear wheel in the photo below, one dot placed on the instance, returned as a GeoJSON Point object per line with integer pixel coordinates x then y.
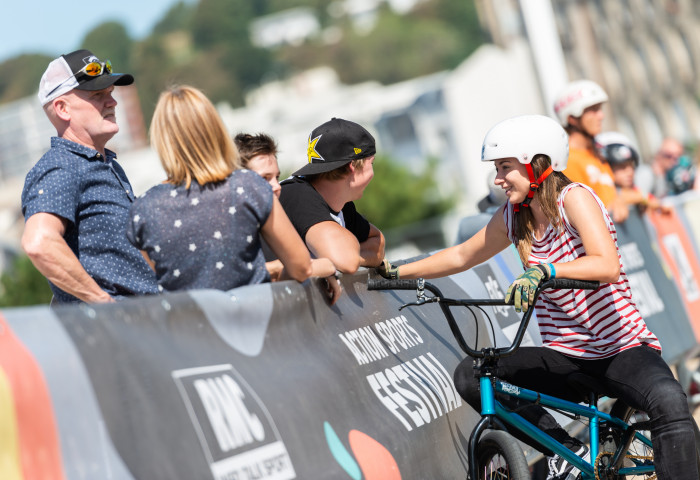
{"type": "Point", "coordinates": [638, 451]}
{"type": "Point", "coordinates": [500, 457]}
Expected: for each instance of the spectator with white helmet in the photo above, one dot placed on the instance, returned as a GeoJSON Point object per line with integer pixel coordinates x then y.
{"type": "Point", "coordinates": [579, 109]}
{"type": "Point", "coordinates": [562, 229]}
{"type": "Point", "coordinates": [622, 156]}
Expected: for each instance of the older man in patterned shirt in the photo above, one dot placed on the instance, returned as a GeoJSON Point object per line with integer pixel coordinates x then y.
{"type": "Point", "coordinates": [76, 198]}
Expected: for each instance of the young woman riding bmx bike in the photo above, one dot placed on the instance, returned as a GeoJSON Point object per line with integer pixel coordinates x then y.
{"type": "Point", "coordinates": [562, 229]}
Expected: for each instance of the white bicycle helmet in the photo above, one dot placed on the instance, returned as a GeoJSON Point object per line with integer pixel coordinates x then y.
{"type": "Point", "coordinates": [525, 136]}
{"type": "Point", "coordinates": [576, 97]}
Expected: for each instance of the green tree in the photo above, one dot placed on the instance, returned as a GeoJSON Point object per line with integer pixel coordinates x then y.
{"type": "Point", "coordinates": [23, 285]}
{"type": "Point", "coordinates": [459, 17]}
{"type": "Point", "coordinates": [219, 22]}
{"type": "Point", "coordinates": [150, 61]}
{"type": "Point", "coordinates": [207, 44]}
{"type": "Point", "coordinates": [223, 26]}
{"type": "Point", "coordinates": [178, 18]}
{"type": "Point", "coordinates": [19, 76]}
{"type": "Point", "coordinates": [397, 197]}
{"type": "Point", "coordinates": [437, 36]}
{"type": "Point", "coordinates": [111, 40]}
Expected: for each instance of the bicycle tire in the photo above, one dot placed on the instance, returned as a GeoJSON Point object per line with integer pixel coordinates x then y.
{"type": "Point", "coordinates": [500, 457]}
{"type": "Point", "coordinates": [628, 414]}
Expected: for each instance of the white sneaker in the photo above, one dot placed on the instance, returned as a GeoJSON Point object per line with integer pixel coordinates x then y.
{"type": "Point", "coordinates": [560, 469]}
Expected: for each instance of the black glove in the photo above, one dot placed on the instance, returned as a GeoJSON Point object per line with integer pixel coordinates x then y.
{"type": "Point", "coordinates": [387, 270]}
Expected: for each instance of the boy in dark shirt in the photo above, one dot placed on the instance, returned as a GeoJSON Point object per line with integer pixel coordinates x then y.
{"type": "Point", "coordinates": [319, 197]}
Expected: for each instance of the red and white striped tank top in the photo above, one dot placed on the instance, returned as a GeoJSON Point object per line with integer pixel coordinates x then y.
{"type": "Point", "coordinates": [584, 323]}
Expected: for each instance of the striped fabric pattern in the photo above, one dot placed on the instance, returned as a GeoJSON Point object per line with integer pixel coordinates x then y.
{"type": "Point", "coordinates": [584, 323]}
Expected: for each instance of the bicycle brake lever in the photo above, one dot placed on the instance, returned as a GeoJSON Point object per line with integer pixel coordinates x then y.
{"type": "Point", "coordinates": [420, 294]}
{"type": "Point", "coordinates": [419, 302]}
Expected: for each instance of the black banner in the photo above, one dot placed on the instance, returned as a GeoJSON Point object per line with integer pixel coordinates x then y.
{"type": "Point", "coordinates": [191, 387]}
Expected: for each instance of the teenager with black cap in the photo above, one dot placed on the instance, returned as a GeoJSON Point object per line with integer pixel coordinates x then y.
{"type": "Point", "coordinates": [76, 198]}
{"type": "Point", "coordinates": [319, 197]}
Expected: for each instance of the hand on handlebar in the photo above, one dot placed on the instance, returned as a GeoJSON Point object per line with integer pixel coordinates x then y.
{"type": "Point", "coordinates": [387, 270]}
{"type": "Point", "coordinates": [521, 292]}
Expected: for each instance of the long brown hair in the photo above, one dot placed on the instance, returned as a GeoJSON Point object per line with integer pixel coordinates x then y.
{"type": "Point", "coordinates": [547, 195]}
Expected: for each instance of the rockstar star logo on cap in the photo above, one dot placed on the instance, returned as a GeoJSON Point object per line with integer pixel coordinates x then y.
{"type": "Point", "coordinates": [311, 150]}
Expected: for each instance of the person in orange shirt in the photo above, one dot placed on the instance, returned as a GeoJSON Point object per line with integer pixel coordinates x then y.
{"type": "Point", "coordinates": [579, 107]}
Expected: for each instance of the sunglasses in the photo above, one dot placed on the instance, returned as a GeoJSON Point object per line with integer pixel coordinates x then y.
{"type": "Point", "coordinates": [670, 156]}
{"type": "Point", "coordinates": [92, 69]}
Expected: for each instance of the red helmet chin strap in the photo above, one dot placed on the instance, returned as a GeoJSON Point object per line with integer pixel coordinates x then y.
{"type": "Point", "coordinates": [534, 185]}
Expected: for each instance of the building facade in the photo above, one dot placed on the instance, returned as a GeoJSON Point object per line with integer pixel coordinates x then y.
{"type": "Point", "coordinates": [644, 53]}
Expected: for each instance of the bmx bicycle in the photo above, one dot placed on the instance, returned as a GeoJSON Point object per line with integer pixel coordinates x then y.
{"type": "Point", "coordinates": [619, 442]}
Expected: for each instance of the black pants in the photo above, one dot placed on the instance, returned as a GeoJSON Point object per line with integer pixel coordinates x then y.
{"type": "Point", "coordinates": [638, 376]}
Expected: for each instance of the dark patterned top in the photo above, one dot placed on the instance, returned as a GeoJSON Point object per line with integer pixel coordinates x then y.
{"type": "Point", "coordinates": [205, 236]}
{"type": "Point", "coordinates": [93, 194]}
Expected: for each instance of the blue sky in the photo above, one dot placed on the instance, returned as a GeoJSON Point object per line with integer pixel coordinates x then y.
{"type": "Point", "coordinates": [56, 27]}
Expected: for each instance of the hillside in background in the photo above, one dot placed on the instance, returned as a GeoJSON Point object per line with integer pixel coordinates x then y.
{"type": "Point", "coordinates": [208, 45]}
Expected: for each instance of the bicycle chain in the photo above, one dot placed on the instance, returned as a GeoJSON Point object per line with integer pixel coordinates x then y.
{"type": "Point", "coordinates": [596, 464]}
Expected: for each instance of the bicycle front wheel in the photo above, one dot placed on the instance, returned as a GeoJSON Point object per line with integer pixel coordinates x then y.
{"type": "Point", "coordinates": [500, 457]}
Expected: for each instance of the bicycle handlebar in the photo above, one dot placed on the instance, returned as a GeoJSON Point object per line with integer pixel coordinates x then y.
{"type": "Point", "coordinates": [569, 283]}
{"type": "Point", "coordinates": [382, 284]}
{"type": "Point", "coordinates": [445, 303]}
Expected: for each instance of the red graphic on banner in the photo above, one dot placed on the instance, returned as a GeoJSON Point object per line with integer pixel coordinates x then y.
{"type": "Point", "coordinates": [38, 446]}
{"type": "Point", "coordinates": [374, 459]}
{"type": "Point", "coordinates": [677, 250]}
{"type": "Point", "coordinates": [367, 460]}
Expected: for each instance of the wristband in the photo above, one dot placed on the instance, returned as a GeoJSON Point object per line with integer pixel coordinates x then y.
{"type": "Point", "coordinates": [552, 272]}
{"type": "Point", "coordinates": [547, 269]}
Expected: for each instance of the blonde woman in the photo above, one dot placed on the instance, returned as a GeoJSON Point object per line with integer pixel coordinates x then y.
{"type": "Point", "coordinates": [201, 228]}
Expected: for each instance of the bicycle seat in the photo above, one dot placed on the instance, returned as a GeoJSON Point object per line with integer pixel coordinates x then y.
{"type": "Point", "coordinates": [584, 384]}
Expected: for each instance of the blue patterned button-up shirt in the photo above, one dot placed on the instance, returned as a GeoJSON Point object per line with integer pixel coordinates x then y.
{"type": "Point", "coordinates": [93, 194]}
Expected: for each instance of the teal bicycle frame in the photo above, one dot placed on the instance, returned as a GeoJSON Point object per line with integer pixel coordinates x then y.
{"type": "Point", "coordinates": [491, 408]}
{"type": "Point", "coordinates": [495, 415]}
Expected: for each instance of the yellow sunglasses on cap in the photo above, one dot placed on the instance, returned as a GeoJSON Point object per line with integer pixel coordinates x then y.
{"type": "Point", "coordinates": [92, 69]}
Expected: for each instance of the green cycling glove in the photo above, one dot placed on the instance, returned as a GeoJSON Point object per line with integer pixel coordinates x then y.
{"type": "Point", "coordinates": [522, 291]}
{"type": "Point", "coordinates": [387, 270]}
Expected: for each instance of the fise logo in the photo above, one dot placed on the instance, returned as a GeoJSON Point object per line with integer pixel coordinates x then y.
{"type": "Point", "coordinates": [236, 431]}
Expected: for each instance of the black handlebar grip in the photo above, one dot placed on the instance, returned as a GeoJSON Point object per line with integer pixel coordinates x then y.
{"type": "Point", "coordinates": [567, 283]}
{"type": "Point", "coordinates": [382, 284]}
